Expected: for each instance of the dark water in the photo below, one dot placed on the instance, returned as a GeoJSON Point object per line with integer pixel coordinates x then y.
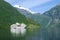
{"type": "Point", "coordinates": [41, 34]}
{"type": "Point", "coordinates": [5, 34]}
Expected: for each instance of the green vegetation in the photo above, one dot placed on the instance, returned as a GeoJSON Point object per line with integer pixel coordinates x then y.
{"type": "Point", "coordinates": [32, 28]}
{"type": "Point", "coordinates": [9, 15]}
{"type": "Point", "coordinates": [41, 19]}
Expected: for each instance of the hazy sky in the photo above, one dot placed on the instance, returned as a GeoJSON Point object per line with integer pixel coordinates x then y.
{"type": "Point", "coordinates": [35, 5]}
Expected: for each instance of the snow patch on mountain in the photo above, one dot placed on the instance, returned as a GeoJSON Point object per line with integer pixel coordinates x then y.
{"type": "Point", "coordinates": [17, 6]}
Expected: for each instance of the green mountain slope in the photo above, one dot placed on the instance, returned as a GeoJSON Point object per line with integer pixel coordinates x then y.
{"type": "Point", "coordinates": [9, 15]}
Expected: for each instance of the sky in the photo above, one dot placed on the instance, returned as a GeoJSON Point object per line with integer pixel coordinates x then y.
{"type": "Point", "coordinates": [39, 6]}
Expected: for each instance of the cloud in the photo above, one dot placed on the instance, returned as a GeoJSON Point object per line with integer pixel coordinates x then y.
{"type": "Point", "coordinates": [32, 3]}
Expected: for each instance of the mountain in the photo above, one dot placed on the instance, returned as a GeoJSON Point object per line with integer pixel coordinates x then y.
{"type": "Point", "coordinates": [24, 11]}
{"type": "Point", "coordinates": [8, 16]}
{"type": "Point", "coordinates": [54, 12]}
{"type": "Point", "coordinates": [41, 19]}
{"type": "Point", "coordinates": [54, 23]}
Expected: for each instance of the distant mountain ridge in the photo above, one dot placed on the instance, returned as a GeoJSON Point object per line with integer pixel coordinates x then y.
{"type": "Point", "coordinates": [34, 16]}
